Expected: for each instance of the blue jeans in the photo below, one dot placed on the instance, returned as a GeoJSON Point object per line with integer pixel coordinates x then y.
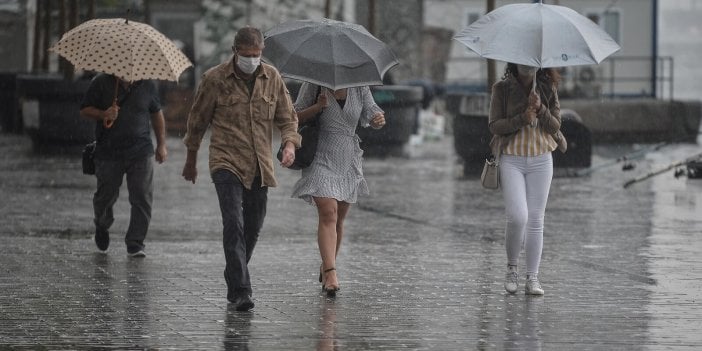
{"type": "Point", "coordinates": [140, 175]}
{"type": "Point", "coordinates": [243, 212]}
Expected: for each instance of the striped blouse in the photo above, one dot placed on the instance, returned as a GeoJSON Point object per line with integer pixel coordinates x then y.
{"type": "Point", "coordinates": [530, 141]}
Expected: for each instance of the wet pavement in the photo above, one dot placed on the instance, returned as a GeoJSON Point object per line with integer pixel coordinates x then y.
{"type": "Point", "coordinates": [421, 266]}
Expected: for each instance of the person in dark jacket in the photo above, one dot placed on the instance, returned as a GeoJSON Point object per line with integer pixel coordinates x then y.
{"type": "Point", "coordinates": [124, 114]}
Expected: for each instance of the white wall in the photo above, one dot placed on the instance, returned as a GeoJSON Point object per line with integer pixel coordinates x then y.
{"type": "Point", "coordinates": [681, 37]}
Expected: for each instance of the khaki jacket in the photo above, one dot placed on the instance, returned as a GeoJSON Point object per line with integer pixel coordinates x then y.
{"type": "Point", "coordinates": [507, 105]}
{"type": "Point", "coordinates": [242, 123]}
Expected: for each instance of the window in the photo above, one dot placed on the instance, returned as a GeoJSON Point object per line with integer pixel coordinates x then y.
{"type": "Point", "coordinates": [609, 21]}
{"type": "Point", "coordinates": [471, 17]}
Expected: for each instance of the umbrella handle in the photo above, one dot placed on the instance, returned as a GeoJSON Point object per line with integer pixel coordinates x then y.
{"type": "Point", "coordinates": [107, 123]}
{"type": "Point", "coordinates": [533, 81]}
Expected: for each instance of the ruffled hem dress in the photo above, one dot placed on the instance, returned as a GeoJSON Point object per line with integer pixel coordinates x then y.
{"type": "Point", "coordinates": [336, 171]}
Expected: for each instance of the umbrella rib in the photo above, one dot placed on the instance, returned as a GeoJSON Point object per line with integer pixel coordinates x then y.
{"type": "Point", "coordinates": [381, 45]}
{"type": "Point", "coordinates": [589, 47]}
{"type": "Point", "coordinates": [285, 60]}
{"type": "Point", "coordinates": [578, 30]}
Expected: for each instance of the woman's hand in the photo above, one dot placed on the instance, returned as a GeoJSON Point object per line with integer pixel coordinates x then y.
{"type": "Point", "coordinates": [378, 121]}
{"type": "Point", "coordinates": [530, 115]}
{"type": "Point", "coordinates": [322, 102]}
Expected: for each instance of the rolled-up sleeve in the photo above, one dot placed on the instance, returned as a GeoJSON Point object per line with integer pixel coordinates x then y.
{"type": "Point", "coordinates": [201, 114]}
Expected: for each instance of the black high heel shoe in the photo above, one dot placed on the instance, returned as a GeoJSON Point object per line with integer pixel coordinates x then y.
{"type": "Point", "coordinates": [330, 290]}
{"type": "Point", "coordinates": [320, 273]}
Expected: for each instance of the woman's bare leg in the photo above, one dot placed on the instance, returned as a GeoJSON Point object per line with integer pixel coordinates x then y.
{"type": "Point", "coordinates": [342, 209]}
{"type": "Point", "coordinates": [327, 211]}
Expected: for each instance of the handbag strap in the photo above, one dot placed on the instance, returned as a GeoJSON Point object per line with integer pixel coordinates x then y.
{"type": "Point", "coordinates": [504, 113]}
{"type": "Point", "coordinates": [313, 121]}
{"type": "Point", "coordinates": [316, 96]}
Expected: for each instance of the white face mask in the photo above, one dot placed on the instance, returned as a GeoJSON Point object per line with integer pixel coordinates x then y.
{"type": "Point", "coordinates": [248, 65]}
{"type": "Point", "coordinates": [527, 70]}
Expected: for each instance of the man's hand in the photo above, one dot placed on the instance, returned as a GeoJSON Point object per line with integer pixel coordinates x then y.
{"type": "Point", "coordinates": [109, 116]}
{"type": "Point", "coordinates": [190, 172]}
{"type": "Point", "coordinates": [378, 121]}
{"type": "Point", "coordinates": [288, 155]}
{"type": "Point", "coordinates": [161, 153]}
{"type": "Point", "coordinates": [190, 168]}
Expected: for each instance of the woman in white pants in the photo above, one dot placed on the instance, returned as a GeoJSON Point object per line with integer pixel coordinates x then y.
{"type": "Point", "coordinates": [525, 121]}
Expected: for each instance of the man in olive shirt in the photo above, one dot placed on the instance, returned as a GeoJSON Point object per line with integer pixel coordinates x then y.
{"type": "Point", "coordinates": [241, 100]}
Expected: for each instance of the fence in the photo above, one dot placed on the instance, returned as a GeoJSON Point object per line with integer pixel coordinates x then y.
{"type": "Point", "coordinates": [616, 77]}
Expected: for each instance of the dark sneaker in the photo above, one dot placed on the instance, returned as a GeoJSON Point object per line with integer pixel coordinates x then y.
{"type": "Point", "coordinates": [243, 302]}
{"type": "Point", "coordinates": [102, 240]}
{"type": "Point", "coordinates": [138, 254]}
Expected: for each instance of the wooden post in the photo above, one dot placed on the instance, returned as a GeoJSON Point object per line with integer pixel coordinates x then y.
{"type": "Point", "coordinates": [36, 45]}
{"type": "Point", "coordinates": [46, 36]}
{"type": "Point", "coordinates": [147, 12]}
{"type": "Point", "coordinates": [69, 71]}
{"type": "Point", "coordinates": [62, 16]}
{"type": "Point", "coordinates": [91, 9]}
{"type": "Point", "coordinates": [64, 65]}
{"type": "Point", "coordinates": [327, 9]}
{"type": "Point", "coordinates": [73, 14]}
{"type": "Point", "coordinates": [491, 67]}
{"type": "Point", "coordinates": [371, 16]}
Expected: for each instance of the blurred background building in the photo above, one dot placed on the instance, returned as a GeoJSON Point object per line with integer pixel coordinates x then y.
{"type": "Point", "coordinates": [660, 42]}
{"type": "Point", "coordinates": [652, 33]}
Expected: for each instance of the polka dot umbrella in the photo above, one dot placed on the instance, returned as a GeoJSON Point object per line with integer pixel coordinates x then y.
{"type": "Point", "coordinates": [129, 50]}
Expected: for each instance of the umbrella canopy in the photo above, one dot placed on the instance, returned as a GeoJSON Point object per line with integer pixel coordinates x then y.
{"type": "Point", "coordinates": [538, 35]}
{"type": "Point", "coordinates": [329, 53]}
{"type": "Point", "coordinates": [130, 50]}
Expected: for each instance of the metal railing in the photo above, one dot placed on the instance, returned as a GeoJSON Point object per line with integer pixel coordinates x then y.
{"type": "Point", "coordinates": [616, 77]}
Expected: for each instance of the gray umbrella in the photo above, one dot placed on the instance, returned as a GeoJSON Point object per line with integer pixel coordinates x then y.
{"type": "Point", "coordinates": [329, 53]}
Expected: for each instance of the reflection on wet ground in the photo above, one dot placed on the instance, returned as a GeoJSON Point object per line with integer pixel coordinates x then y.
{"type": "Point", "coordinates": [421, 266]}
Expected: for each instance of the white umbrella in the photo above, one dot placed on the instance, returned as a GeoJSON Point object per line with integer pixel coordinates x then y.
{"type": "Point", "coordinates": [329, 53]}
{"type": "Point", "coordinates": [538, 35]}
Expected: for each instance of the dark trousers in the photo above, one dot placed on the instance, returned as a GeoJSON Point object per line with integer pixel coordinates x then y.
{"type": "Point", "coordinates": [140, 175]}
{"type": "Point", "coordinates": [243, 212]}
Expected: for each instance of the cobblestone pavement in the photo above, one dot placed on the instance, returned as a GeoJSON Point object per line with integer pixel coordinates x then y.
{"type": "Point", "coordinates": [421, 266]}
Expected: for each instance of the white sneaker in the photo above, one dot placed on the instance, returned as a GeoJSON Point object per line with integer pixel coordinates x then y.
{"type": "Point", "coordinates": [511, 280]}
{"type": "Point", "coordinates": [532, 286]}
